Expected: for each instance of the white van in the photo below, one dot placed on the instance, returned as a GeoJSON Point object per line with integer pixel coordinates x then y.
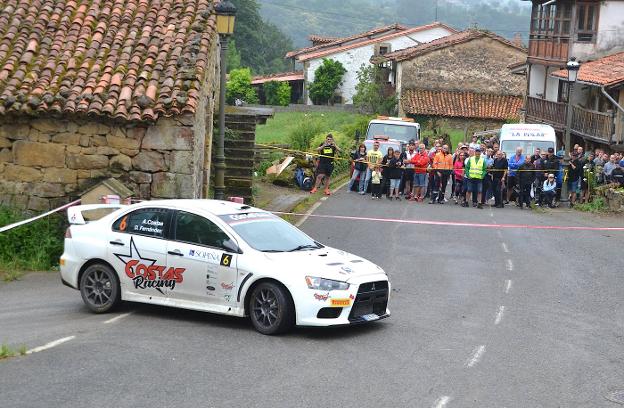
{"type": "Point", "coordinates": [528, 136]}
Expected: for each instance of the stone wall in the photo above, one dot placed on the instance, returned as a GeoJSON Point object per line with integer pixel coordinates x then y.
{"type": "Point", "coordinates": [476, 66]}
{"type": "Point", "coordinates": [46, 162]}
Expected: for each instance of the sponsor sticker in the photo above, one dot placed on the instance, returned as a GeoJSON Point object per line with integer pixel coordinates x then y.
{"type": "Point", "coordinates": [204, 254]}
{"type": "Point", "coordinates": [226, 260]}
{"type": "Point", "coordinates": [227, 286]}
{"type": "Point", "coordinates": [341, 302]}
{"type": "Point", "coordinates": [321, 296]}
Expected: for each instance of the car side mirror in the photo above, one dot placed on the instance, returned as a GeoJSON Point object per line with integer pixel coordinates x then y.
{"type": "Point", "coordinates": [231, 246]}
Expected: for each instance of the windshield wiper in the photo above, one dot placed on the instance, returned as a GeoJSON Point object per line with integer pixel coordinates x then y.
{"type": "Point", "coordinates": [306, 246]}
{"type": "Point", "coordinates": [271, 250]}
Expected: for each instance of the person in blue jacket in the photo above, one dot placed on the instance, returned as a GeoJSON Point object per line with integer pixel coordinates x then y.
{"type": "Point", "coordinates": [514, 163]}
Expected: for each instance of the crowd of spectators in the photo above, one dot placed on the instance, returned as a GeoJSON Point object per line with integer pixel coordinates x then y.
{"type": "Point", "coordinates": [479, 171]}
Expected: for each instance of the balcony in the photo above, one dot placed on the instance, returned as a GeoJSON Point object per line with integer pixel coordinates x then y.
{"type": "Point", "coordinates": [553, 49]}
{"type": "Point", "coordinates": [589, 124]}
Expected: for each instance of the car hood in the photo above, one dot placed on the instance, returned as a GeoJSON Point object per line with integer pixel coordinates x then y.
{"type": "Point", "coordinates": [328, 263]}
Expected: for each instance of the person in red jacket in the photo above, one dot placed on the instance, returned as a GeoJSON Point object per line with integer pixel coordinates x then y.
{"type": "Point", "coordinates": [421, 162]}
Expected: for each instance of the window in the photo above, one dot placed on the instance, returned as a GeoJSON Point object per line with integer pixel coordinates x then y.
{"type": "Point", "coordinates": [152, 222]}
{"type": "Point", "coordinates": [381, 49]}
{"type": "Point", "coordinates": [195, 229]}
{"type": "Point", "coordinates": [587, 22]}
{"type": "Point", "coordinates": [564, 89]}
{"type": "Point", "coordinates": [551, 21]}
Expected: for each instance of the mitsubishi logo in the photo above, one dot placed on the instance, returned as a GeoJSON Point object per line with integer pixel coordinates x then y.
{"type": "Point", "coordinates": [373, 287]}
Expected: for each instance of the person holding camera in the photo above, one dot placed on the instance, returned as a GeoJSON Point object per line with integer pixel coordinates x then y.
{"type": "Point", "coordinates": [327, 152]}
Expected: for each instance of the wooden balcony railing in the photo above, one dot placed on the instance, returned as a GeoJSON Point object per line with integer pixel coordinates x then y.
{"type": "Point", "coordinates": [586, 123]}
{"type": "Point", "coordinates": [554, 49]}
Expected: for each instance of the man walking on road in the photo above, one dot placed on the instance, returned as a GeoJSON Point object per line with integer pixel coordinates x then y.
{"type": "Point", "coordinates": [475, 171]}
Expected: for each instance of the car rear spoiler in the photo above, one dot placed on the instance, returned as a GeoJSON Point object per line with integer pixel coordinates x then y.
{"type": "Point", "coordinates": [74, 214]}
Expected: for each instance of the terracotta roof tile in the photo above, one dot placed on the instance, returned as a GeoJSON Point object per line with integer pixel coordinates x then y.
{"type": "Point", "coordinates": [134, 60]}
{"type": "Point", "coordinates": [606, 71]}
{"type": "Point", "coordinates": [443, 42]}
{"type": "Point", "coordinates": [461, 104]}
{"type": "Point", "coordinates": [280, 77]}
{"type": "Point", "coordinates": [319, 39]}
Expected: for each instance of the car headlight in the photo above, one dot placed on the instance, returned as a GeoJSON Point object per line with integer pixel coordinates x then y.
{"type": "Point", "coordinates": [325, 284]}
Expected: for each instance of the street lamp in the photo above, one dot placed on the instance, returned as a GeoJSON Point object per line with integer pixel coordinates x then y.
{"type": "Point", "coordinates": [226, 13]}
{"type": "Point", "coordinates": [573, 67]}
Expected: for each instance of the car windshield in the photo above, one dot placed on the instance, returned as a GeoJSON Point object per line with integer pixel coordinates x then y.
{"type": "Point", "coordinates": [528, 146]}
{"type": "Point", "coordinates": [403, 133]}
{"type": "Point", "coordinates": [383, 146]}
{"type": "Point", "coordinates": [269, 233]}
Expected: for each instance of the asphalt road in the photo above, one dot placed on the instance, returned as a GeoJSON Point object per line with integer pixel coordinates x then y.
{"type": "Point", "coordinates": [481, 317]}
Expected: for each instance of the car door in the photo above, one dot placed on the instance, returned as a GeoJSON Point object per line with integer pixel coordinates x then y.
{"type": "Point", "coordinates": [137, 249]}
{"type": "Point", "coordinates": [199, 246]}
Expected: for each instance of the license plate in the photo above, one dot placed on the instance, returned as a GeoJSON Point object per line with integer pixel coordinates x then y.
{"type": "Point", "coordinates": [369, 317]}
{"type": "Point", "coordinates": [341, 302]}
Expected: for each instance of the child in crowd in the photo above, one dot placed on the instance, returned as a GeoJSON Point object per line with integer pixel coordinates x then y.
{"type": "Point", "coordinates": [376, 182]}
{"type": "Point", "coordinates": [395, 169]}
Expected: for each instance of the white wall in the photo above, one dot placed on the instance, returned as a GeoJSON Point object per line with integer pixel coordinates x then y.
{"type": "Point", "coordinates": [536, 83]}
{"type": "Point", "coordinates": [353, 59]}
{"type": "Point", "coordinates": [610, 37]}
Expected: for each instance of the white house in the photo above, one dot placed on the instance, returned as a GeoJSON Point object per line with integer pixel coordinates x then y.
{"type": "Point", "coordinates": [358, 49]}
{"type": "Point", "coordinates": [593, 33]}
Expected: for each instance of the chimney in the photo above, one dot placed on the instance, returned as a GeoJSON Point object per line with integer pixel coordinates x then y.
{"type": "Point", "coordinates": [517, 40]}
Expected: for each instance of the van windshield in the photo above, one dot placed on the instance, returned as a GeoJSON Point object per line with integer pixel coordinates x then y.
{"type": "Point", "coordinates": [383, 146]}
{"type": "Point", "coordinates": [402, 133]}
{"type": "Point", "coordinates": [528, 146]}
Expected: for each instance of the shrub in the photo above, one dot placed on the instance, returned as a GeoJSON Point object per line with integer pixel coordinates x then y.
{"type": "Point", "coordinates": [369, 96]}
{"type": "Point", "coordinates": [359, 125]}
{"type": "Point", "coordinates": [277, 93]}
{"type": "Point", "coordinates": [239, 87]}
{"type": "Point", "coordinates": [303, 133]}
{"type": "Point", "coordinates": [327, 77]}
{"type": "Point", "coordinates": [35, 247]}
{"type": "Point", "coordinates": [598, 204]}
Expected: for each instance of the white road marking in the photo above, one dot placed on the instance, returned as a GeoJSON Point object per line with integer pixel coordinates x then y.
{"type": "Point", "coordinates": [50, 345]}
{"type": "Point", "coordinates": [323, 198]}
{"type": "Point", "coordinates": [310, 211]}
{"type": "Point", "coordinates": [476, 357]}
{"type": "Point", "coordinates": [507, 286]}
{"type": "Point", "coordinates": [114, 319]}
{"type": "Point", "coordinates": [441, 402]}
{"type": "Point", "coordinates": [505, 249]}
{"type": "Point", "coordinates": [509, 265]}
{"type": "Point", "coordinates": [499, 315]}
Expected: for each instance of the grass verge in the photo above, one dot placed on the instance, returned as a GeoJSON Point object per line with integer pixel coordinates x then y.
{"type": "Point", "coordinates": [8, 352]}
{"type": "Point", "coordinates": [597, 205]}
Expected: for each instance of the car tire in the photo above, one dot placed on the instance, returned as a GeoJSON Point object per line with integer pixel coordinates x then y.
{"type": "Point", "coordinates": [99, 287]}
{"type": "Point", "coordinates": [271, 309]}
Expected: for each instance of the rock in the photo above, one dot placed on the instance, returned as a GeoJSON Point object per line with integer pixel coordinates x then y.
{"type": "Point", "coordinates": [38, 154]}
{"type": "Point", "coordinates": [136, 133]}
{"type": "Point", "coordinates": [98, 174]}
{"type": "Point", "coordinates": [14, 132]}
{"type": "Point", "coordinates": [106, 150]}
{"type": "Point", "coordinates": [168, 137]}
{"type": "Point", "coordinates": [85, 140]}
{"type": "Point", "coordinates": [122, 142]}
{"type": "Point", "coordinates": [129, 152]}
{"type": "Point", "coordinates": [6, 156]}
{"type": "Point", "coordinates": [99, 141]}
{"type": "Point", "coordinates": [181, 162]}
{"type": "Point", "coordinates": [74, 149]}
{"type": "Point", "coordinates": [93, 128]}
{"type": "Point", "coordinates": [90, 161]}
{"type": "Point", "coordinates": [145, 191]}
{"type": "Point", "coordinates": [88, 150]}
{"type": "Point", "coordinates": [140, 177]}
{"type": "Point", "coordinates": [170, 185]}
{"type": "Point", "coordinates": [4, 142]}
{"type": "Point", "coordinates": [65, 176]}
{"type": "Point", "coordinates": [49, 125]}
{"type": "Point", "coordinates": [120, 163]}
{"type": "Point", "coordinates": [149, 161]}
{"type": "Point", "coordinates": [71, 188]}
{"type": "Point", "coordinates": [83, 174]}
{"type": "Point", "coordinates": [38, 204]}
{"type": "Point", "coordinates": [48, 190]}
{"type": "Point", "coordinates": [67, 138]}
{"type": "Point", "coordinates": [21, 173]}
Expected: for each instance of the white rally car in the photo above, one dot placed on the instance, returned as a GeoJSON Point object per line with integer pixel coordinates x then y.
{"type": "Point", "coordinates": [220, 257]}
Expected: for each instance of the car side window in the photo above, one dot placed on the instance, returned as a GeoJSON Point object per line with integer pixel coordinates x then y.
{"type": "Point", "coordinates": [152, 222]}
{"type": "Point", "coordinates": [195, 229]}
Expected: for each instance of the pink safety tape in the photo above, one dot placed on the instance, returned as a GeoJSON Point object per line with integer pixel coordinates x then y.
{"type": "Point", "coordinates": [17, 224]}
{"type": "Point", "coordinates": [457, 224]}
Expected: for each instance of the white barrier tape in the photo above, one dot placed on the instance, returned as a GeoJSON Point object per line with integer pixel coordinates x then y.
{"type": "Point", "coordinates": [17, 224]}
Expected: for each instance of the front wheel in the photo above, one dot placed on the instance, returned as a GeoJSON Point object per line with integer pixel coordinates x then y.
{"type": "Point", "coordinates": [271, 309]}
{"type": "Point", "coordinates": [99, 287]}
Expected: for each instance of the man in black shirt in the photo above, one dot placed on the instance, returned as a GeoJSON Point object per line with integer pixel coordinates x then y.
{"type": "Point", "coordinates": [574, 177]}
{"type": "Point", "coordinates": [327, 151]}
{"type": "Point", "coordinates": [499, 173]}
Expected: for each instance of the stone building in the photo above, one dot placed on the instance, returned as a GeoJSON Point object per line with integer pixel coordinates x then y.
{"type": "Point", "coordinates": [462, 80]}
{"type": "Point", "coordinates": [99, 89]}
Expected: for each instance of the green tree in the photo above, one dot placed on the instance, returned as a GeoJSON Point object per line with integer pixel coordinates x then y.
{"type": "Point", "coordinates": [327, 77]}
{"type": "Point", "coordinates": [262, 45]}
{"type": "Point", "coordinates": [233, 57]}
{"type": "Point", "coordinates": [277, 93]}
{"type": "Point", "coordinates": [369, 92]}
{"type": "Point", "coordinates": [239, 87]}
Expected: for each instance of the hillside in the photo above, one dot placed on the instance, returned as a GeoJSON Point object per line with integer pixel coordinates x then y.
{"type": "Point", "coordinates": [299, 18]}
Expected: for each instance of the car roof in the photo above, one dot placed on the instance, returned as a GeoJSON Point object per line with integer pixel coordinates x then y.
{"type": "Point", "coordinates": [395, 122]}
{"type": "Point", "coordinates": [215, 207]}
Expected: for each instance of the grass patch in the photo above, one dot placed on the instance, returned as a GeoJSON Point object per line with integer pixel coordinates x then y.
{"type": "Point", "coordinates": [8, 352]}
{"type": "Point", "coordinates": [32, 247]}
{"type": "Point", "coordinates": [597, 205]}
{"type": "Point", "coordinates": [279, 128]}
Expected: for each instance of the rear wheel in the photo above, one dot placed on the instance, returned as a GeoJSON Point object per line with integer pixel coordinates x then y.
{"type": "Point", "coordinates": [271, 309]}
{"type": "Point", "coordinates": [99, 287]}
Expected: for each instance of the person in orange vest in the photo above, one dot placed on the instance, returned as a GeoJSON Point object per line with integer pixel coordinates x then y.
{"type": "Point", "coordinates": [442, 167]}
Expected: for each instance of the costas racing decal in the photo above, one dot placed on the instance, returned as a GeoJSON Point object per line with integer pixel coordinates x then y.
{"type": "Point", "coordinates": [145, 273]}
{"type": "Point", "coordinates": [227, 286]}
{"type": "Point", "coordinates": [321, 296]}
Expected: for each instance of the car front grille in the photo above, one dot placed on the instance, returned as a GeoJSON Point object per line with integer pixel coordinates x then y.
{"type": "Point", "coordinates": [372, 297]}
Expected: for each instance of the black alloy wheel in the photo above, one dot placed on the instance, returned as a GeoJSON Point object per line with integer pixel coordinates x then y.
{"type": "Point", "coordinates": [99, 287]}
{"type": "Point", "coordinates": [271, 308]}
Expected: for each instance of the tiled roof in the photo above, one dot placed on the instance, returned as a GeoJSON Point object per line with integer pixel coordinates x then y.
{"type": "Point", "coordinates": [443, 42]}
{"type": "Point", "coordinates": [340, 41]}
{"type": "Point", "coordinates": [340, 46]}
{"type": "Point", "coordinates": [321, 39]}
{"type": "Point", "coordinates": [461, 104]}
{"type": "Point", "coordinates": [129, 60]}
{"type": "Point", "coordinates": [280, 77]}
{"type": "Point", "coordinates": [606, 71]}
